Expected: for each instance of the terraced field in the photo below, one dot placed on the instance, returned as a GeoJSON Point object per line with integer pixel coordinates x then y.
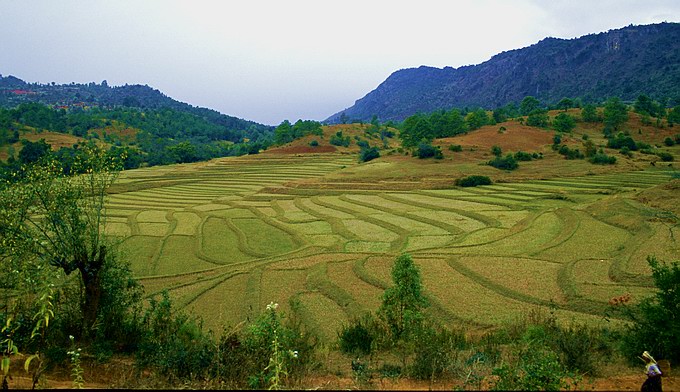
{"type": "Point", "coordinates": [227, 237]}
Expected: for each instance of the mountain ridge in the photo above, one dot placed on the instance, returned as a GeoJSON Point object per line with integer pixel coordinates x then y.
{"type": "Point", "coordinates": [624, 62]}
{"type": "Point", "coordinates": [14, 91]}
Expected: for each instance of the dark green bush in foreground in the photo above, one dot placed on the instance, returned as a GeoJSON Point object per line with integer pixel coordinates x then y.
{"type": "Point", "coordinates": [473, 181]}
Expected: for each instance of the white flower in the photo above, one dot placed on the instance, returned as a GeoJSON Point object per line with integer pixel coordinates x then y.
{"type": "Point", "coordinates": [272, 306]}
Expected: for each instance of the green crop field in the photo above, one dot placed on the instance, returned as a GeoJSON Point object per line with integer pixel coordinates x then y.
{"type": "Point", "coordinates": [227, 237]}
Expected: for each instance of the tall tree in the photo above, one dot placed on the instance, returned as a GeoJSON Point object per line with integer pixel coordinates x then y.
{"type": "Point", "coordinates": [614, 115]}
{"type": "Point", "coordinates": [403, 302]}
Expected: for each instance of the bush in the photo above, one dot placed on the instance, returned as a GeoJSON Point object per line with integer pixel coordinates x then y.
{"type": "Point", "coordinates": [339, 140]}
{"type": "Point", "coordinates": [665, 157]}
{"type": "Point", "coordinates": [669, 142]}
{"type": "Point", "coordinates": [470, 181]}
{"type": "Point", "coordinates": [602, 159]}
{"type": "Point", "coordinates": [534, 368]}
{"type": "Point", "coordinates": [506, 163]}
{"type": "Point", "coordinates": [570, 153]}
{"type": "Point", "coordinates": [456, 148]}
{"type": "Point", "coordinates": [435, 352]}
{"type": "Point", "coordinates": [524, 156]}
{"type": "Point", "coordinates": [427, 150]}
{"type": "Point", "coordinates": [655, 323]}
{"type": "Point", "coordinates": [368, 154]}
{"type": "Point", "coordinates": [314, 143]}
{"type": "Point", "coordinates": [357, 337]}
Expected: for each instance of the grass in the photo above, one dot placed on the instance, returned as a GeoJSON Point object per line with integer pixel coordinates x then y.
{"type": "Point", "coordinates": [229, 236]}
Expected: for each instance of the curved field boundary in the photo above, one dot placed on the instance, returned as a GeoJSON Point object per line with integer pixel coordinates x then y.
{"type": "Point", "coordinates": [487, 221]}
{"type": "Point", "coordinates": [336, 223]}
{"type": "Point", "coordinates": [317, 279]}
{"type": "Point", "coordinates": [408, 214]}
{"type": "Point", "coordinates": [575, 305]}
{"type": "Point", "coordinates": [395, 245]}
{"type": "Point", "coordinates": [570, 226]}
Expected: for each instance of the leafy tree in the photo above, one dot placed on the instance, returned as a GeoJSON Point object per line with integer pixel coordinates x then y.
{"type": "Point", "coordinates": [33, 151]}
{"type": "Point", "coordinates": [414, 130]}
{"type": "Point", "coordinates": [528, 105]}
{"type": "Point", "coordinates": [656, 320]}
{"type": "Point", "coordinates": [614, 115]}
{"type": "Point", "coordinates": [538, 118]}
{"type": "Point", "coordinates": [563, 122]}
{"type": "Point", "coordinates": [283, 133]}
{"type": "Point", "coordinates": [565, 103]}
{"type": "Point", "coordinates": [647, 106]}
{"type": "Point", "coordinates": [673, 116]}
{"type": "Point", "coordinates": [404, 301]}
{"type": "Point", "coordinates": [589, 114]}
{"type": "Point", "coordinates": [476, 119]}
{"type": "Point", "coordinates": [58, 222]}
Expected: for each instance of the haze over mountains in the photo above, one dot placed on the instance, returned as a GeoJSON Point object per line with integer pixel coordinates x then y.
{"type": "Point", "coordinates": [625, 62]}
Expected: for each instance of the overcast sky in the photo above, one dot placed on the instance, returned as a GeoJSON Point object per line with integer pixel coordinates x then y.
{"type": "Point", "coordinates": [270, 60]}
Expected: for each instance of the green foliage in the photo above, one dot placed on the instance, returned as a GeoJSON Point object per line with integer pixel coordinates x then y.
{"type": "Point", "coordinates": [504, 163]}
{"type": "Point", "coordinates": [570, 153]}
{"type": "Point", "coordinates": [589, 114]}
{"type": "Point", "coordinates": [665, 156]}
{"type": "Point", "coordinates": [496, 151]}
{"type": "Point", "coordinates": [414, 130]}
{"type": "Point", "coordinates": [404, 301]}
{"type": "Point", "coordinates": [646, 106]}
{"type": "Point", "coordinates": [455, 148]}
{"type": "Point", "coordinates": [656, 320]}
{"type": "Point", "coordinates": [602, 159]}
{"type": "Point", "coordinates": [358, 336]}
{"type": "Point", "coordinates": [669, 142]}
{"type": "Point", "coordinates": [369, 154]}
{"type": "Point", "coordinates": [563, 122]}
{"type": "Point", "coordinates": [436, 351]}
{"type": "Point", "coordinates": [534, 368]}
{"type": "Point", "coordinates": [470, 181]}
{"type": "Point", "coordinates": [525, 156]}
{"type": "Point", "coordinates": [477, 119]}
{"type": "Point", "coordinates": [314, 143]}
{"type": "Point", "coordinates": [427, 150]}
{"type": "Point", "coordinates": [339, 140]}
{"type": "Point", "coordinates": [622, 140]}
{"type": "Point", "coordinates": [538, 118]}
{"type": "Point", "coordinates": [614, 115]}
{"type": "Point", "coordinates": [528, 105]}
{"type": "Point", "coordinates": [286, 133]}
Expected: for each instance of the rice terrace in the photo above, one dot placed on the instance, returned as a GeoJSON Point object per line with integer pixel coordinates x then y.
{"type": "Point", "coordinates": [227, 237]}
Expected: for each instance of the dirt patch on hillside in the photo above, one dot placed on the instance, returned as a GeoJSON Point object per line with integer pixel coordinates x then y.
{"type": "Point", "coordinates": [515, 137]}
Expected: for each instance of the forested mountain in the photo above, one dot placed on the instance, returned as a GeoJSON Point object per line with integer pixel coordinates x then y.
{"type": "Point", "coordinates": [14, 91]}
{"type": "Point", "coordinates": [626, 63]}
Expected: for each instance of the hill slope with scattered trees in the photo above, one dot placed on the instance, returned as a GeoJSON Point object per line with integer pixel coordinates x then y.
{"type": "Point", "coordinates": [626, 63]}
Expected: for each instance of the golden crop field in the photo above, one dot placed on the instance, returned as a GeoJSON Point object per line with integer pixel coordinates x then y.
{"type": "Point", "coordinates": [229, 236]}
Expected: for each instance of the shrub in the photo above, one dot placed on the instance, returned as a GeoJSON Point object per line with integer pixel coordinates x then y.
{"type": "Point", "coordinates": [357, 337]}
{"type": "Point", "coordinates": [570, 153]}
{"type": "Point", "coordinates": [669, 142]}
{"type": "Point", "coordinates": [471, 181]}
{"type": "Point", "coordinates": [665, 156]}
{"type": "Point", "coordinates": [523, 156]}
{"type": "Point", "coordinates": [435, 352]}
{"type": "Point", "coordinates": [655, 323]}
{"type": "Point", "coordinates": [456, 148]}
{"type": "Point", "coordinates": [506, 163]}
{"type": "Point", "coordinates": [339, 140]}
{"type": "Point", "coordinates": [368, 154]}
{"type": "Point", "coordinates": [314, 143]}
{"type": "Point", "coordinates": [602, 159]}
{"type": "Point", "coordinates": [427, 150]}
{"type": "Point", "coordinates": [534, 368]}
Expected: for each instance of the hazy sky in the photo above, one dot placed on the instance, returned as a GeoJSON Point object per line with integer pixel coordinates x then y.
{"type": "Point", "coordinates": [270, 60]}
